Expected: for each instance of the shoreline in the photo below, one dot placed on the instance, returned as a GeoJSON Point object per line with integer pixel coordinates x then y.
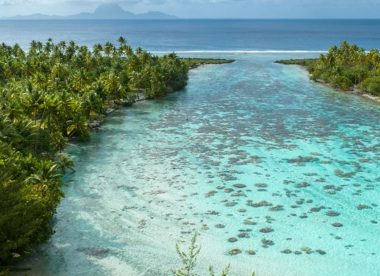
{"type": "Point", "coordinates": [371, 97]}
{"type": "Point", "coordinates": [17, 263]}
{"type": "Point", "coordinates": [193, 63]}
{"type": "Point", "coordinates": [63, 107]}
{"type": "Point", "coordinates": [306, 63]}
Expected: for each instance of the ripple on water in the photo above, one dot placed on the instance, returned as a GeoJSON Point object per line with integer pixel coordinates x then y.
{"type": "Point", "coordinates": [267, 166]}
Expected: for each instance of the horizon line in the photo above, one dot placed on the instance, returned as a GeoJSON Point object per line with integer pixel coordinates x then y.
{"type": "Point", "coordinates": [12, 18]}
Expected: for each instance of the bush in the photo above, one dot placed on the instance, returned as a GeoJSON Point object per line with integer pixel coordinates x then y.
{"type": "Point", "coordinates": [29, 194]}
{"type": "Point", "coordinates": [342, 83]}
{"type": "Point", "coordinates": [345, 67]}
{"type": "Point", "coordinates": [189, 260]}
{"type": "Point", "coordinates": [371, 85]}
{"type": "Point", "coordinates": [356, 74]}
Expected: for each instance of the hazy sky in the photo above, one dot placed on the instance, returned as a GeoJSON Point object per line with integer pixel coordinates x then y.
{"type": "Point", "coordinates": [207, 8]}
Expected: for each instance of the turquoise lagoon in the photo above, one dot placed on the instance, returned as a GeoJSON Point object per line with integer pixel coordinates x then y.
{"type": "Point", "coordinates": [252, 155]}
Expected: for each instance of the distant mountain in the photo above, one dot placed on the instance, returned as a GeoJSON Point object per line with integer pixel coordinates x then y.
{"type": "Point", "coordinates": [105, 11]}
{"type": "Point", "coordinates": [155, 15]}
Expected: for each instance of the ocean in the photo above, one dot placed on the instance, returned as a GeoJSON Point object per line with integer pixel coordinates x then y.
{"type": "Point", "coordinates": [198, 35]}
{"type": "Point", "coordinates": [252, 155]}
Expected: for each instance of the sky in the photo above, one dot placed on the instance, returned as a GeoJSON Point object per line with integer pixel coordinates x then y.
{"type": "Point", "coordinates": [206, 8]}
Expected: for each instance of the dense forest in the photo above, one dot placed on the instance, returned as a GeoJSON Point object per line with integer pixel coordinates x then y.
{"type": "Point", "coordinates": [346, 67]}
{"type": "Point", "coordinates": [49, 95]}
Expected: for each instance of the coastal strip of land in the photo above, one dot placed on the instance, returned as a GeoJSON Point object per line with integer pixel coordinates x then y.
{"type": "Point", "coordinates": [196, 62]}
{"type": "Point", "coordinates": [346, 68]}
{"type": "Point", "coordinates": [191, 63]}
{"type": "Point", "coordinates": [55, 93]}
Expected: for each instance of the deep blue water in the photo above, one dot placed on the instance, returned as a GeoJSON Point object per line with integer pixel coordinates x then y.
{"type": "Point", "coordinates": [201, 34]}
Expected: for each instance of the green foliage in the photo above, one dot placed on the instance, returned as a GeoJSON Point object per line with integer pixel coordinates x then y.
{"type": "Point", "coordinates": [49, 95]}
{"type": "Point", "coordinates": [64, 162]}
{"type": "Point", "coordinates": [371, 85]}
{"type": "Point", "coordinates": [341, 82]}
{"type": "Point", "coordinates": [345, 67]}
{"type": "Point", "coordinates": [57, 89]}
{"type": "Point", "coordinates": [307, 62]}
{"type": "Point", "coordinates": [348, 66]}
{"type": "Point", "coordinates": [225, 271]}
{"type": "Point", "coordinates": [356, 74]}
{"type": "Point", "coordinates": [4, 272]}
{"type": "Point", "coordinates": [196, 62]}
{"type": "Point", "coordinates": [29, 194]}
{"type": "Point", "coordinates": [189, 260]}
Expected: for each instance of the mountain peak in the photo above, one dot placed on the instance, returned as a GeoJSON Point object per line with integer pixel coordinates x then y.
{"type": "Point", "coordinates": [110, 10]}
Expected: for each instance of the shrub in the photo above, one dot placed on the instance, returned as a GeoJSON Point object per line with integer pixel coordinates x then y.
{"type": "Point", "coordinates": [342, 82]}
{"type": "Point", "coordinates": [189, 260]}
{"type": "Point", "coordinates": [371, 85]}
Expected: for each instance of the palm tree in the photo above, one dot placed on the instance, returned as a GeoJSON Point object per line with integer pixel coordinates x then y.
{"type": "Point", "coordinates": [64, 162]}
{"type": "Point", "coordinates": [45, 172]}
{"type": "Point", "coordinates": [47, 96]}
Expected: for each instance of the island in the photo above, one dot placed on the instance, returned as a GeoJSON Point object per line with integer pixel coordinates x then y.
{"type": "Point", "coordinates": [107, 11]}
{"type": "Point", "coordinates": [347, 68]}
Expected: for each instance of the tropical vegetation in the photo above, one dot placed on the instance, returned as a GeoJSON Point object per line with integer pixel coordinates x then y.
{"type": "Point", "coordinates": [53, 93]}
{"type": "Point", "coordinates": [196, 62]}
{"type": "Point", "coordinates": [347, 67]}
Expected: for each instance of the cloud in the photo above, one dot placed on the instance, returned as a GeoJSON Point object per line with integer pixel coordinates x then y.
{"type": "Point", "coordinates": [57, 2]}
{"type": "Point", "coordinates": [9, 3]}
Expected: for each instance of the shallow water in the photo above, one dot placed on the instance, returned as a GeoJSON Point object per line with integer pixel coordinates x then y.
{"type": "Point", "coordinates": [306, 157]}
